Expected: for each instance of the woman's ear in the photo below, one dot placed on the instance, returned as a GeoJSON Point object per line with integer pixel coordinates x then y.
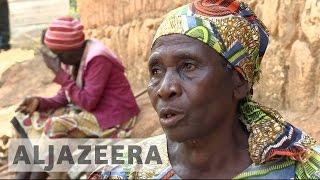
{"type": "Point", "coordinates": [241, 86]}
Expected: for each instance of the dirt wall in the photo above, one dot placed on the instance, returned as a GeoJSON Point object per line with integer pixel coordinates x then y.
{"type": "Point", "coordinates": [290, 69]}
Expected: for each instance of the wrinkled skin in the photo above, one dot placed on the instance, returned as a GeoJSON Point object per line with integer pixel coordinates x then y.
{"type": "Point", "coordinates": [190, 82]}
{"type": "Point", "coordinates": [193, 79]}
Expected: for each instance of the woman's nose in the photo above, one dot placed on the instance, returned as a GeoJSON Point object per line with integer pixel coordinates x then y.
{"type": "Point", "coordinates": [170, 86]}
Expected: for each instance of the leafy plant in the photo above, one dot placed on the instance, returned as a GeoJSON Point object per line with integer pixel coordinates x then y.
{"type": "Point", "coordinates": [73, 11]}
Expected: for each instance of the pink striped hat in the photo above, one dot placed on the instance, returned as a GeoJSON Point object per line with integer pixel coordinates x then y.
{"type": "Point", "coordinates": [64, 33]}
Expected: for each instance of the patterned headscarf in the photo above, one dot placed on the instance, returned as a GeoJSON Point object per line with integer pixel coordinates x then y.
{"type": "Point", "coordinates": [232, 29]}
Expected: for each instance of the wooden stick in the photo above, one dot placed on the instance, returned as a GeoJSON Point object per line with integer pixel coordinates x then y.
{"type": "Point", "coordinates": [140, 93]}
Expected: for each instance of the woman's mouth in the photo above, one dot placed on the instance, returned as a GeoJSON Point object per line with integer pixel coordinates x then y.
{"type": "Point", "coordinates": [170, 117]}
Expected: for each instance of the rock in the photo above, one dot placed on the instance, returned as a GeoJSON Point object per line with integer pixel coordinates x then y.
{"type": "Point", "coordinates": [288, 23]}
{"type": "Point", "coordinates": [264, 9]}
{"type": "Point", "coordinates": [301, 76]}
{"type": "Point", "coordinates": [97, 13]}
{"type": "Point", "coordinates": [270, 89]}
{"type": "Point", "coordinates": [9, 58]}
{"type": "Point", "coordinates": [27, 78]}
{"type": "Point", "coordinates": [317, 72]}
{"type": "Point", "coordinates": [310, 20]}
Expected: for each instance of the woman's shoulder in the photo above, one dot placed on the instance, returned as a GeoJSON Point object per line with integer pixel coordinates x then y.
{"type": "Point", "coordinates": [286, 168]}
{"type": "Point", "coordinates": [310, 168]}
{"type": "Point", "coordinates": [96, 48]}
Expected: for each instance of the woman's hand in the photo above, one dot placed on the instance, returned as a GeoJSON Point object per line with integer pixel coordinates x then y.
{"type": "Point", "coordinates": [52, 61]}
{"type": "Point", "coordinates": [29, 105]}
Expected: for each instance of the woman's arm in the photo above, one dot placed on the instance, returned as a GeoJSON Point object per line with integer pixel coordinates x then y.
{"type": "Point", "coordinates": [59, 100]}
{"type": "Point", "coordinates": [95, 81]}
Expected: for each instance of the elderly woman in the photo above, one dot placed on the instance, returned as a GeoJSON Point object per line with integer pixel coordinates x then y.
{"type": "Point", "coordinates": [95, 99]}
{"type": "Point", "coordinates": [205, 58]}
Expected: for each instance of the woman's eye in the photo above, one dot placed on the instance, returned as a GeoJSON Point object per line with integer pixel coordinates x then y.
{"type": "Point", "coordinates": [155, 71]}
{"type": "Point", "coordinates": [189, 67]}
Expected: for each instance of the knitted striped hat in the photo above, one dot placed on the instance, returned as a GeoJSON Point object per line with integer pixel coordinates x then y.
{"type": "Point", "coordinates": [64, 33]}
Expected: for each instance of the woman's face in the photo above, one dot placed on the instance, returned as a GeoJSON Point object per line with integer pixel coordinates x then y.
{"type": "Point", "coordinates": [71, 57]}
{"type": "Point", "coordinates": [189, 87]}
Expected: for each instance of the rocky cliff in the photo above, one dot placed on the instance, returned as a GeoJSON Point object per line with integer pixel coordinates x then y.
{"type": "Point", "coordinates": [290, 72]}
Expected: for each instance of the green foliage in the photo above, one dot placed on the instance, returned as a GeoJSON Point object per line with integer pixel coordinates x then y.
{"type": "Point", "coordinates": [73, 11]}
{"type": "Point", "coordinates": [73, 4]}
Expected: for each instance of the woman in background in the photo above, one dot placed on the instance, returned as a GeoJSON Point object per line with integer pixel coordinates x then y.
{"type": "Point", "coordinates": [95, 99]}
